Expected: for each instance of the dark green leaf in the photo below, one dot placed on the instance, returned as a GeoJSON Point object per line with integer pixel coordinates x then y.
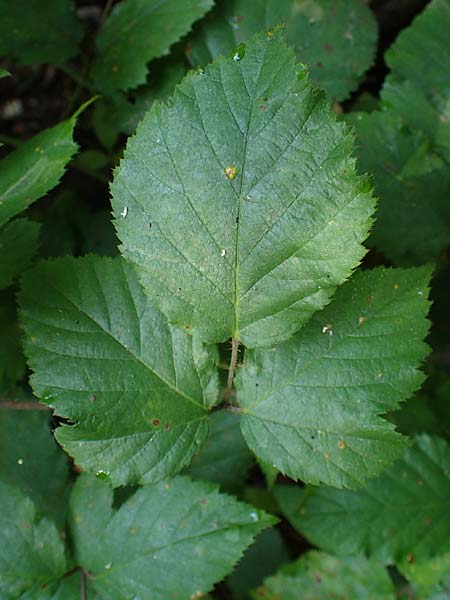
{"type": "Point", "coordinates": [401, 516]}
{"type": "Point", "coordinates": [18, 245]}
{"type": "Point", "coordinates": [312, 406]}
{"type": "Point", "coordinates": [12, 361]}
{"type": "Point", "coordinates": [33, 31]}
{"type": "Point", "coordinates": [31, 552]}
{"type": "Point", "coordinates": [412, 184]}
{"type": "Point", "coordinates": [172, 539]}
{"type": "Point", "coordinates": [136, 32]}
{"type": "Point", "coordinates": [337, 38]}
{"type": "Point", "coordinates": [239, 201]}
{"type": "Point", "coordinates": [321, 576]}
{"type": "Point", "coordinates": [137, 390]}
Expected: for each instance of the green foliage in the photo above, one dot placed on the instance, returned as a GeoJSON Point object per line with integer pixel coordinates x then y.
{"type": "Point", "coordinates": [335, 38]}
{"type": "Point", "coordinates": [320, 576]}
{"type": "Point", "coordinates": [106, 359]}
{"type": "Point", "coordinates": [412, 183]}
{"type": "Point", "coordinates": [136, 32]}
{"type": "Point", "coordinates": [401, 516]}
{"type": "Point", "coordinates": [195, 539]}
{"type": "Point", "coordinates": [312, 405]}
{"type": "Point", "coordinates": [238, 202]}
{"type": "Point", "coordinates": [32, 31]}
{"type": "Point", "coordinates": [419, 88]}
{"type": "Point", "coordinates": [225, 341]}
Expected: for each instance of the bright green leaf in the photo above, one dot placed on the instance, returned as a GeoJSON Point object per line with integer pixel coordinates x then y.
{"type": "Point", "coordinates": [4, 73]}
{"type": "Point", "coordinates": [321, 576]}
{"type": "Point", "coordinates": [136, 32]}
{"type": "Point", "coordinates": [225, 458]}
{"type": "Point", "coordinates": [337, 39]}
{"type": "Point", "coordinates": [33, 31]}
{"type": "Point", "coordinates": [418, 87]}
{"type": "Point", "coordinates": [312, 406]}
{"type": "Point", "coordinates": [172, 539]}
{"type": "Point", "coordinates": [31, 552]}
{"type": "Point", "coordinates": [31, 461]}
{"type": "Point", "coordinates": [412, 184]}
{"type": "Point", "coordinates": [428, 576]}
{"type": "Point", "coordinates": [137, 389]}
{"type": "Point", "coordinates": [35, 168]}
{"type": "Point", "coordinates": [401, 515]}
{"type": "Point", "coordinates": [18, 245]}
{"type": "Point", "coordinates": [239, 201]}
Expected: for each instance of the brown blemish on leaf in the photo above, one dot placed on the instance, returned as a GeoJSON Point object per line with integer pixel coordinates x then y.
{"type": "Point", "coordinates": [156, 422]}
{"type": "Point", "coordinates": [230, 172]}
{"type": "Point", "coordinates": [361, 320]}
{"type": "Point", "coordinates": [342, 444]}
{"type": "Point", "coordinates": [329, 48]}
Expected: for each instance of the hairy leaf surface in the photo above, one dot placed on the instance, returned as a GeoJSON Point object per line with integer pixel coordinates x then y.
{"type": "Point", "coordinates": [418, 86]}
{"type": "Point", "coordinates": [136, 389]}
{"type": "Point", "coordinates": [412, 184]}
{"type": "Point", "coordinates": [172, 539]}
{"type": "Point", "coordinates": [312, 406]}
{"type": "Point", "coordinates": [399, 516]}
{"type": "Point", "coordinates": [33, 32]}
{"type": "Point", "coordinates": [31, 552]}
{"type": "Point", "coordinates": [239, 201]}
{"type": "Point", "coordinates": [136, 32]}
{"type": "Point", "coordinates": [35, 168]}
{"type": "Point", "coordinates": [320, 576]}
{"type": "Point", "coordinates": [336, 38]}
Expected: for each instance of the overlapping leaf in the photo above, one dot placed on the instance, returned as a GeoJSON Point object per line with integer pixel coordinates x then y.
{"type": "Point", "coordinates": [31, 552]}
{"type": "Point", "coordinates": [136, 32]}
{"type": "Point", "coordinates": [32, 31]}
{"type": "Point", "coordinates": [172, 539]}
{"type": "Point", "coordinates": [401, 516]}
{"type": "Point", "coordinates": [136, 389]}
{"type": "Point", "coordinates": [320, 576]}
{"type": "Point", "coordinates": [312, 406]}
{"type": "Point", "coordinates": [12, 361]}
{"type": "Point", "coordinates": [35, 168]}
{"type": "Point", "coordinates": [418, 87]}
{"type": "Point", "coordinates": [412, 184]}
{"type": "Point", "coordinates": [337, 38]}
{"type": "Point", "coordinates": [18, 245]}
{"type": "Point", "coordinates": [239, 201]}
{"type": "Point", "coordinates": [31, 461]}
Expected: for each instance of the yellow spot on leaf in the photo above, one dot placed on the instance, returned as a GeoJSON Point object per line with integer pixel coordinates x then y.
{"type": "Point", "coordinates": [231, 172]}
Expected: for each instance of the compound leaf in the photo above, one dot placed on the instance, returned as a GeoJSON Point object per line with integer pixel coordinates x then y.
{"type": "Point", "coordinates": [319, 575]}
{"type": "Point", "coordinates": [412, 184]}
{"type": "Point", "coordinates": [239, 201]}
{"type": "Point", "coordinates": [33, 32]}
{"type": "Point", "coordinates": [419, 88]}
{"type": "Point", "coordinates": [18, 245]}
{"type": "Point", "coordinates": [136, 389]}
{"type": "Point", "coordinates": [171, 539]}
{"type": "Point", "coordinates": [35, 168]}
{"type": "Point", "coordinates": [400, 516]}
{"type": "Point", "coordinates": [136, 32]}
{"type": "Point", "coordinates": [312, 406]}
{"type": "Point", "coordinates": [31, 552]}
{"type": "Point", "coordinates": [337, 38]}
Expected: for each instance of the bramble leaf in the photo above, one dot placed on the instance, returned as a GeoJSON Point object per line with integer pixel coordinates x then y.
{"type": "Point", "coordinates": [402, 515]}
{"type": "Point", "coordinates": [31, 461]}
{"type": "Point", "coordinates": [319, 575]}
{"type": "Point", "coordinates": [172, 539]}
{"type": "Point", "coordinates": [12, 362]}
{"type": "Point", "coordinates": [136, 32]}
{"type": "Point", "coordinates": [238, 201]}
{"type": "Point", "coordinates": [412, 184]}
{"type": "Point", "coordinates": [418, 88]}
{"type": "Point", "coordinates": [33, 32]}
{"type": "Point", "coordinates": [31, 552]}
{"type": "Point", "coordinates": [18, 239]}
{"type": "Point", "coordinates": [337, 39]}
{"type": "Point", "coordinates": [137, 390]}
{"type": "Point", "coordinates": [35, 168]}
{"type": "Point", "coordinates": [312, 406]}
